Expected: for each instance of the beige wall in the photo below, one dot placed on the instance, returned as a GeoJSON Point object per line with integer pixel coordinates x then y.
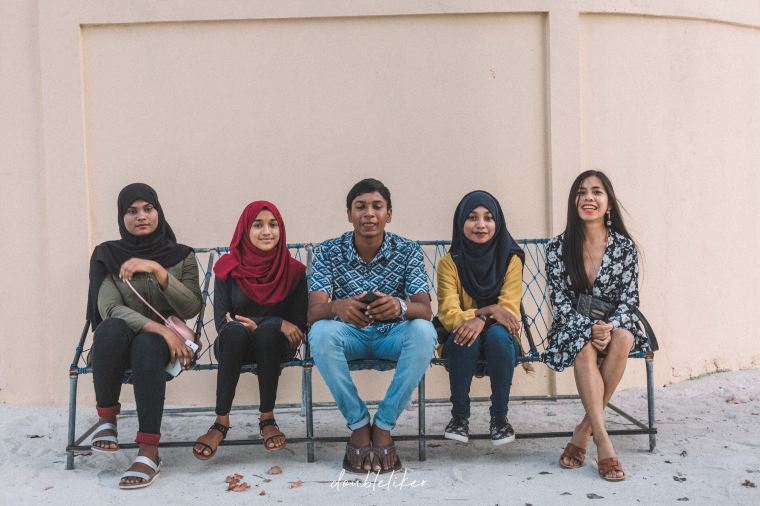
{"type": "Point", "coordinates": [295, 101]}
{"type": "Point", "coordinates": [23, 339]}
{"type": "Point", "coordinates": [672, 108]}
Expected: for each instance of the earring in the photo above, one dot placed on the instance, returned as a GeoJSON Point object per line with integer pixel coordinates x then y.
{"type": "Point", "coordinates": [609, 218]}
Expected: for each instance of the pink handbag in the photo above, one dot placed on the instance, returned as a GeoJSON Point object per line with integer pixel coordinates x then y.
{"type": "Point", "coordinates": [176, 325]}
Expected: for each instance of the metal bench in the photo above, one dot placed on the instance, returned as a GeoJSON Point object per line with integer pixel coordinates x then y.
{"type": "Point", "coordinates": [536, 319]}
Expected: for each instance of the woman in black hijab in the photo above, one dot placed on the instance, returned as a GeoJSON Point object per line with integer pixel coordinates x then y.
{"type": "Point", "coordinates": [127, 334]}
{"type": "Point", "coordinates": [479, 292]}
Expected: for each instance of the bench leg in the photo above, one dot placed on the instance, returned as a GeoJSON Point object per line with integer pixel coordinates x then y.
{"type": "Point", "coordinates": [72, 420]}
{"type": "Point", "coordinates": [650, 401]}
{"type": "Point", "coordinates": [303, 395]}
{"type": "Point", "coordinates": [422, 444]}
{"type": "Point", "coordinates": [306, 392]}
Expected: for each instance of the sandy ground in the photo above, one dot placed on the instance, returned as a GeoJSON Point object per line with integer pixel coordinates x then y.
{"type": "Point", "coordinates": [708, 452]}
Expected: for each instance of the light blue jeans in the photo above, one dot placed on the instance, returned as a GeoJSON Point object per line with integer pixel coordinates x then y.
{"type": "Point", "coordinates": [334, 344]}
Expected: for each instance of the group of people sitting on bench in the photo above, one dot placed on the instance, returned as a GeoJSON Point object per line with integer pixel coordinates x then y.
{"type": "Point", "coordinates": [367, 297]}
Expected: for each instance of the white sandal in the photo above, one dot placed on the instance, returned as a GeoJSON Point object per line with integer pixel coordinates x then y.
{"type": "Point", "coordinates": [107, 438]}
{"type": "Point", "coordinates": [148, 480]}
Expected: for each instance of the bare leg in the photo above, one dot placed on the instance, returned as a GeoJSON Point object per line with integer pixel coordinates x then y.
{"type": "Point", "coordinates": [360, 438]}
{"type": "Point", "coordinates": [611, 372]}
{"type": "Point", "coordinates": [382, 439]}
{"type": "Point", "coordinates": [612, 369]}
{"type": "Point", "coordinates": [588, 380]}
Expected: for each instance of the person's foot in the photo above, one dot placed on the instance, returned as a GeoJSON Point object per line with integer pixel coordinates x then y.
{"type": "Point", "coordinates": [145, 451]}
{"type": "Point", "coordinates": [605, 453]}
{"type": "Point", "coordinates": [458, 429]}
{"type": "Point", "coordinates": [358, 458]}
{"type": "Point", "coordinates": [610, 469]}
{"type": "Point", "coordinates": [361, 436]}
{"type": "Point", "coordinates": [573, 458]}
{"type": "Point", "coordinates": [99, 440]}
{"type": "Point", "coordinates": [274, 439]}
{"type": "Point", "coordinates": [384, 451]}
{"type": "Point", "coordinates": [206, 445]}
{"type": "Point", "coordinates": [501, 430]}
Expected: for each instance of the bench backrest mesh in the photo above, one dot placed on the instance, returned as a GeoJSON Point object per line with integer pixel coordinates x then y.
{"type": "Point", "coordinates": [537, 312]}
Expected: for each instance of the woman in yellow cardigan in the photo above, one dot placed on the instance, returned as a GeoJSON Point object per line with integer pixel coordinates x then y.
{"type": "Point", "coordinates": [479, 291]}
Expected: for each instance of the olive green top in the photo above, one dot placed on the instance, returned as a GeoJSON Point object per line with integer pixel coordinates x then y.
{"type": "Point", "coordinates": [182, 296]}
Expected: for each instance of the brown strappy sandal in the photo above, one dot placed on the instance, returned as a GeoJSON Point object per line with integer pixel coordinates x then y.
{"type": "Point", "coordinates": [572, 452]}
{"type": "Point", "coordinates": [610, 464]}
{"type": "Point", "coordinates": [219, 427]}
{"type": "Point", "coordinates": [387, 457]}
{"type": "Point", "coordinates": [266, 423]}
{"type": "Point", "coordinates": [356, 457]}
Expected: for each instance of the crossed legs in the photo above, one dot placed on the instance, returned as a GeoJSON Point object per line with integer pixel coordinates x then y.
{"type": "Point", "coordinates": [596, 384]}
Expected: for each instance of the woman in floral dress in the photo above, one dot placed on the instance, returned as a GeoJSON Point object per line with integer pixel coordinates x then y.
{"type": "Point", "coordinates": [595, 255]}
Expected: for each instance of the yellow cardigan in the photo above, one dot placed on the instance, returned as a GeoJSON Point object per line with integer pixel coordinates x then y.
{"type": "Point", "coordinates": [455, 305]}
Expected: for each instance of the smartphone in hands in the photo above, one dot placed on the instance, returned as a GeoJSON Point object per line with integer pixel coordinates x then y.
{"type": "Point", "coordinates": [368, 298]}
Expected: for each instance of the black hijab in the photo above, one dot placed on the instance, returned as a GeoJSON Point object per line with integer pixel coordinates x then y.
{"type": "Point", "coordinates": [482, 267]}
{"type": "Point", "coordinates": [160, 246]}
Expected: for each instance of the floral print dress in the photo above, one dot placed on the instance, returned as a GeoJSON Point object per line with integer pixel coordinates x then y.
{"type": "Point", "coordinates": [617, 281]}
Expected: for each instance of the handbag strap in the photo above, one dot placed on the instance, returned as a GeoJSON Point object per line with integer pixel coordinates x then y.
{"type": "Point", "coordinates": [129, 284]}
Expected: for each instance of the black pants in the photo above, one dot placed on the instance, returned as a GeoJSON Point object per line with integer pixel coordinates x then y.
{"type": "Point", "coordinates": [117, 348]}
{"type": "Point", "coordinates": [266, 347]}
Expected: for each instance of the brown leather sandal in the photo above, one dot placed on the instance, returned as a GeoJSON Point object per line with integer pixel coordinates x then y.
{"type": "Point", "coordinates": [572, 452]}
{"type": "Point", "coordinates": [610, 464]}
{"type": "Point", "coordinates": [387, 458]}
{"type": "Point", "coordinates": [199, 454]}
{"type": "Point", "coordinates": [267, 440]}
{"type": "Point", "coordinates": [356, 457]}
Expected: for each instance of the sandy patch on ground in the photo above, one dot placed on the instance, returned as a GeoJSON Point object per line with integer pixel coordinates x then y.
{"type": "Point", "coordinates": [708, 452]}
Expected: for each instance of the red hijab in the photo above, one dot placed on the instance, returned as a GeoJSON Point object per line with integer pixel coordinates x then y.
{"type": "Point", "coordinates": [266, 277]}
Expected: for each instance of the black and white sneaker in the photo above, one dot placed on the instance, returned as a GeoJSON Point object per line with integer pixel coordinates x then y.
{"type": "Point", "coordinates": [458, 429]}
{"type": "Point", "coordinates": [501, 430]}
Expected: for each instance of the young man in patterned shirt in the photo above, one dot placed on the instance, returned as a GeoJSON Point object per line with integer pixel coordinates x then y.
{"type": "Point", "coordinates": [369, 299]}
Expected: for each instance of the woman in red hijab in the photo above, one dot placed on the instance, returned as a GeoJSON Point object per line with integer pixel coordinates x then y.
{"type": "Point", "coordinates": [260, 301]}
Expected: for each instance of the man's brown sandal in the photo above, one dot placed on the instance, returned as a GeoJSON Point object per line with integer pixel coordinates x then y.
{"type": "Point", "coordinates": [387, 457]}
{"type": "Point", "coordinates": [575, 453]}
{"type": "Point", "coordinates": [608, 465]}
{"type": "Point", "coordinates": [273, 447]}
{"type": "Point", "coordinates": [356, 457]}
{"type": "Point", "coordinates": [199, 454]}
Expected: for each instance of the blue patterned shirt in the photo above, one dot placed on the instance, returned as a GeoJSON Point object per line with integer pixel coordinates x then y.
{"type": "Point", "coordinates": [398, 270]}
